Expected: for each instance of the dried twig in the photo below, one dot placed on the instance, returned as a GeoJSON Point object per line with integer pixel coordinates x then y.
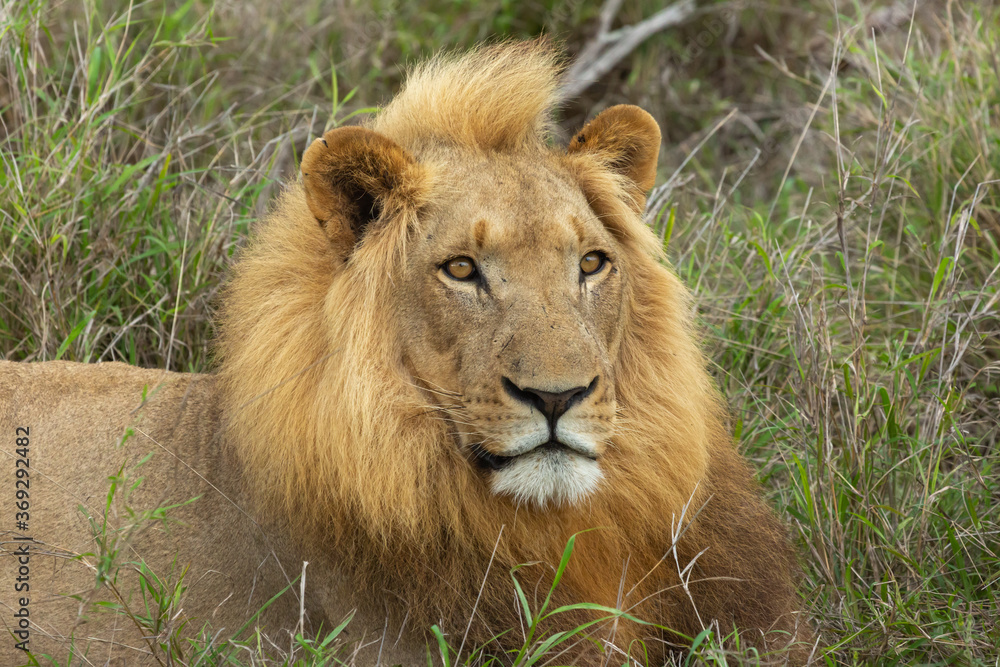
{"type": "Point", "coordinates": [608, 48]}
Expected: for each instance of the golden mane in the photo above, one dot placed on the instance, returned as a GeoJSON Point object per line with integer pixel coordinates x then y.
{"type": "Point", "coordinates": [494, 98]}
{"type": "Point", "coordinates": [335, 437]}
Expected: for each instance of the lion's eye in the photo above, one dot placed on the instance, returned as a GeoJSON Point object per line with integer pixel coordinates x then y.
{"type": "Point", "coordinates": [460, 268]}
{"type": "Point", "coordinates": [592, 262]}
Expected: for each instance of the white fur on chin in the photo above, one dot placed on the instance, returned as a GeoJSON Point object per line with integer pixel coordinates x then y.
{"type": "Point", "coordinates": [546, 475]}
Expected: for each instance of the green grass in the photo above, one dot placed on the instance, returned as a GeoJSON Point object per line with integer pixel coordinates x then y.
{"type": "Point", "coordinates": [840, 233]}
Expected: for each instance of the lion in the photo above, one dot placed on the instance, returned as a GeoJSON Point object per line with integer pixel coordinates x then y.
{"type": "Point", "coordinates": [449, 351]}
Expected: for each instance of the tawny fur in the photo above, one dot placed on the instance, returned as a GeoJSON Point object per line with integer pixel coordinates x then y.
{"type": "Point", "coordinates": [322, 430]}
{"type": "Point", "coordinates": [351, 451]}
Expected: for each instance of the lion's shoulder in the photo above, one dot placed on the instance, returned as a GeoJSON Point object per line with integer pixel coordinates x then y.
{"type": "Point", "coordinates": [91, 402]}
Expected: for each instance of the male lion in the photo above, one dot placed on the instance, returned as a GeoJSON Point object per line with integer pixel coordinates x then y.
{"type": "Point", "coordinates": [446, 352]}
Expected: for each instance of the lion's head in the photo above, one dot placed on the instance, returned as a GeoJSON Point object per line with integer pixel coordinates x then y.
{"type": "Point", "coordinates": [509, 291]}
{"type": "Point", "coordinates": [453, 328]}
{"type": "Point", "coordinates": [510, 310]}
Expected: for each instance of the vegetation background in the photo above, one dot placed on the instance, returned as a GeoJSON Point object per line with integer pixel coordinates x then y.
{"type": "Point", "coordinates": [829, 191]}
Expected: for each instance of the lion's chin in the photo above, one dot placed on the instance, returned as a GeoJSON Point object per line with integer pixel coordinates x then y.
{"type": "Point", "coordinates": [548, 476]}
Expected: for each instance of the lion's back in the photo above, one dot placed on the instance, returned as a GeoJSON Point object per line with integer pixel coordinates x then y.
{"type": "Point", "coordinates": [78, 429]}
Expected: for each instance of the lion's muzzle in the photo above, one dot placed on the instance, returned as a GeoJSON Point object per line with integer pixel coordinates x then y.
{"type": "Point", "coordinates": [556, 464]}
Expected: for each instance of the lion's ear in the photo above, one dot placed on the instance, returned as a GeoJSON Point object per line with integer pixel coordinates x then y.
{"type": "Point", "coordinates": [624, 139]}
{"type": "Point", "coordinates": [349, 174]}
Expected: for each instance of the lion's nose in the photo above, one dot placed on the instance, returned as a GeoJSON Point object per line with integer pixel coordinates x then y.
{"type": "Point", "coordinates": [551, 404]}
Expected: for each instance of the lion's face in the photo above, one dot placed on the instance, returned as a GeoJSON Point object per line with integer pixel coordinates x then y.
{"type": "Point", "coordinates": [512, 299]}
{"type": "Point", "coordinates": [508, 299]}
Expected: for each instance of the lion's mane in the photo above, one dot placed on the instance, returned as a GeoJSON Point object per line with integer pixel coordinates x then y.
{"type": "Point", "coordinates": [335, 437]}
